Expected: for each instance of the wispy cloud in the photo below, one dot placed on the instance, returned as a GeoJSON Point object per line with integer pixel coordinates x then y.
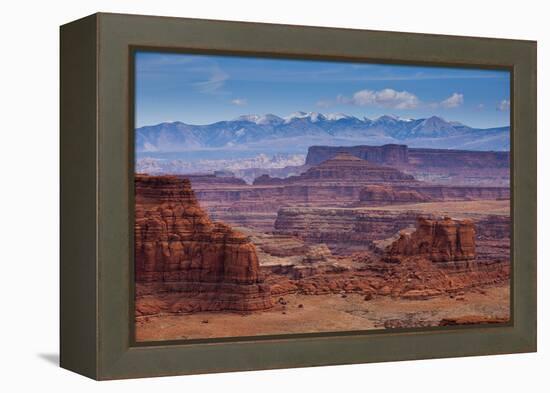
{"type": "Point", "coordinates": [239, 101]}
{"type": "Point", "coordinates": [503, 105]}
{"type": "Point", "coordinates": [214, 83]}
{"type": "Point", "coordinates": [385, 98]}
{"type": "Point", "coordinates": [455, 100]}
{"type": "Point", "coordinates": [349, 73]}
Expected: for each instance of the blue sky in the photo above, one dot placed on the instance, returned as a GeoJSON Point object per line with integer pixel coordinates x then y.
{"type": "Point", "coordinates": [203, 89]}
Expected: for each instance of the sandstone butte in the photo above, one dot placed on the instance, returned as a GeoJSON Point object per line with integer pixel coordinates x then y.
{"type": "Point", "coordinates": [343, 168]}
{"type": "Point", "coordinates": [443, 240]}
{"type": "Point", "coordinates": [179, 250]}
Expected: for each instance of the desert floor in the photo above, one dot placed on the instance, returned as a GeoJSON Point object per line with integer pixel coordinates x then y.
{"type": "Point", "coordinates": [325, 313]}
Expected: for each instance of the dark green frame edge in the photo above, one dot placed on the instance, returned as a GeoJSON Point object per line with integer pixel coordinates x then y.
{"type": "Point", "coordinates": [78, 197]}
{"type": "Point", "coordinates": [95, 311]}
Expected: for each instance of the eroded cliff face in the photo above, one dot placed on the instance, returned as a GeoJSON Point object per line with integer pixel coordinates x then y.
{"type": "Point", "coordinates": [438, 257]}
{"type": "Point", "coordinates": [440, 166]}
{"type": "Point", "coordinates": [443, 240]}
{"type": "Point", "coordinates": [401, 155]}
{"type": "Point", "coordinates": [184, 261]}
{"type": "Point", "coordinates": [348, 230]}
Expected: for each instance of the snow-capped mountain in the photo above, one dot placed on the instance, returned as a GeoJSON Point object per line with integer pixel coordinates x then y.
{"type": "Point", "coordinates": [261, 119]}
{"type": "Point", "coordinates": [302, 129]}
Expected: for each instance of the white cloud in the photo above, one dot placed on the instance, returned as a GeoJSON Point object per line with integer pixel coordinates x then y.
{"type": "Point", "coordinates": [480, 107]}
{"type": "Point", "coordinates": [503, 105]}
{"type": "Point", "coordinates": [324, 103]}
{"type": "Point", "coordinates": [386, 98]}
{"type": "Point", "coordinates": [239, 101]}
{"type": "Point", "coordinates": [455, 100]}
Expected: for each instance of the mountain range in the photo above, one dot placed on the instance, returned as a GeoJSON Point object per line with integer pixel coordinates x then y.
{"type": "Point", "coordinates": [270, 133]}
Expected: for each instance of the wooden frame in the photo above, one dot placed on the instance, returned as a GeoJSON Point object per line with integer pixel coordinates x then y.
{"type": "Point", "coordinates": [96, 202]}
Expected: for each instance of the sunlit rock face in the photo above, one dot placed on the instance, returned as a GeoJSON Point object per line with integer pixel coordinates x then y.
{"type": "Point", "coordinates": [179, 249]}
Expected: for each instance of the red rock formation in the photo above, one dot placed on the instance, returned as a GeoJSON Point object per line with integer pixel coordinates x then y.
{"type": "Point", "coordinates": [400, 155]}
{"type": "Point", "coordinates": [178, 249]}
{"type": "Point", "coordinates": [387, 154]}
{"type": "Point", "coordinates": [441, 166]}
{"type": "Point", "coordinates": [438, 240]}
{"type": "Point", "coordinates": [462, 193]}
{"type": "Point", "coordinates": [346, 230]}
{"type": "Point", "coordinates": [382, 195]}
{"type": "Point", "coordinates": [395, 194]}
{"type": "Point", "coordinates": [341, 180]}
{"type": "Point", "coordinates": [342, 168]}
{"type": "Point", "coordinates": [416, 278]}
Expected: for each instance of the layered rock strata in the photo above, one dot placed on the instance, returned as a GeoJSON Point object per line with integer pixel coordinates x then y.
{"type": "Point", "coordinates": [439, 166]}
{"type": "Point", "coordinates": [179, 250]}
{"type": "Point", "coordinates": [346, 230]}
{"type": "Point", "coordinates": [342, 180]}
{"type": "Point", "coordinates": [386, 195]}
{"type": "Point", "coordinates": [342, 168]}
{"type": "Point", "coordinates": [395, 194]}
{"type": "Point", "coordinates": [402, 155]}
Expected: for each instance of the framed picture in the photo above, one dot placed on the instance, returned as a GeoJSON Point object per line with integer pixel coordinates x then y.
{"type": "Point", "coordinates": [241, 196]}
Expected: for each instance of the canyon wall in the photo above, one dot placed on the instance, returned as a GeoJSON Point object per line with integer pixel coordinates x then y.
{"type": "Point", "coordinates": [392, 194]}
{"type": "Point", "coordinates": [437, 257]}
{"type": "Point", "coordinates": [346, 230]}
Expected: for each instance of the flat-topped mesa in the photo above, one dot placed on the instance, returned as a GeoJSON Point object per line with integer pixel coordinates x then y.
{"type": "Point", "coordinates": [178, 249]}
{"type": "Point", "coordinates": [387, 154]}
{"type": "Point", "coordinates": [344, 168]}
{"type": "Point", "coordinates": [444, 240]}
{"type": "Point", "coordinates": [402, 155]}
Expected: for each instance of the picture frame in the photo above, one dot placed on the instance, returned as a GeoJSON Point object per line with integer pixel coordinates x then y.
{"type": "Point", "coordinates": [96, 264]}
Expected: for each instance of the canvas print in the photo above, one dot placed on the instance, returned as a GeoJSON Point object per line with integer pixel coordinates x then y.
{"type": "Point", "coordinates": [286, 196]}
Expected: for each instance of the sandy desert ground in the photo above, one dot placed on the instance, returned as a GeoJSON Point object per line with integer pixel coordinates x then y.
{"type": "Point", "coordinates": [326, 313]}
